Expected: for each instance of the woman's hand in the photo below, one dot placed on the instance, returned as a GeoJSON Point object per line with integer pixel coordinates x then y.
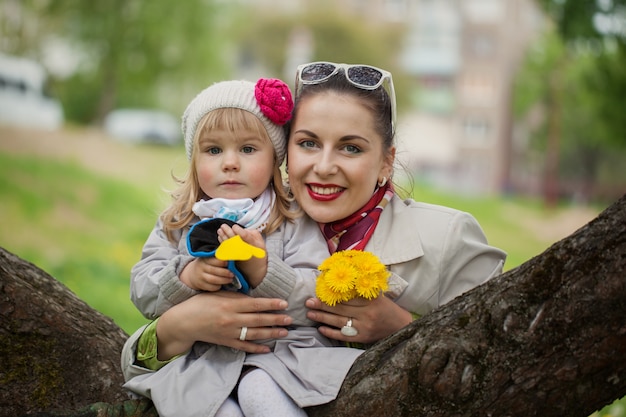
{"type": "Point", "coordinates": [206, 274]}
{"type": "Point", "coordinates": [218, 318]}
{"type": "Point", "coordinates": [373, 319]}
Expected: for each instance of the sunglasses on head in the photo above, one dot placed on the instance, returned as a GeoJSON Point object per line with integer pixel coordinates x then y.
{"type": "Point", "coordinates": [364, 77]}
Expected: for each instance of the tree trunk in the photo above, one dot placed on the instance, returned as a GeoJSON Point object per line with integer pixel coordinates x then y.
{"type": "Point", "coordinates": [55, 351]}
{"type": "Point", "coordinates": [545, 339]}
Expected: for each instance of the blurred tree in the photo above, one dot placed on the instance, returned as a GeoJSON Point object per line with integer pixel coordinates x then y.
{"type": "Point", "coordinates": [594, 128]}
{"type": "Point", "coordinates": [133, 53]}
{"type": "Point", "coordinates": [582, 97]}
{"type": "Point", "coordinates": [581, 19]}
{"type": "Point", "coordinates": [334, 36]}
{"type": "Point", "coordinates": [21, 26]}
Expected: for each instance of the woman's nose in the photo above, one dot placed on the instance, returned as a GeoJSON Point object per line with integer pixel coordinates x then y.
{"type": "Point", "coordinates": [325, 165]}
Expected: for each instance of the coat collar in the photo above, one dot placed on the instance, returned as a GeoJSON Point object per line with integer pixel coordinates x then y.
{"type": "Point", "coordinates": [396, 238]}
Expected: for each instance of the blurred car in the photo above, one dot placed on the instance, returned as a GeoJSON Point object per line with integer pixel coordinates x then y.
{"type": "Point", "coordinates": [143, 126]}
{"type": "Point", "coordinates": [23, 97]}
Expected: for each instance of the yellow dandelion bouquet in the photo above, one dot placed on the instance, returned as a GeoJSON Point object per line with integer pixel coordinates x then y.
{"type": "Point", "coordinates": [348, 274]}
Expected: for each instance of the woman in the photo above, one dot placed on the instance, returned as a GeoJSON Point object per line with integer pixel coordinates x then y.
{"type": "Point", "coordinates": [340, 163]}
{"type": "Point", "coordinates": [340, 158]}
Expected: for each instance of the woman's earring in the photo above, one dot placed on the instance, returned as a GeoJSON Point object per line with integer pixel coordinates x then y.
{"type": "Point", "coordinates": [382, 182]}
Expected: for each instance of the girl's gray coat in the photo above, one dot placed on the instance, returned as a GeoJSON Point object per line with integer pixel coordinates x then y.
{"type": "Point", "coordinates": [434, 253]}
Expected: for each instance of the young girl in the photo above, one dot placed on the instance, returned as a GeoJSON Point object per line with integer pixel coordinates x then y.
{"type": "Point", "coordinates": [235, 143]}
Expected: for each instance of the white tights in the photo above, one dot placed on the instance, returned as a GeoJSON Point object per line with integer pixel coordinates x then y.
{"type": "Point", "coordinates": [230, 408]}
{"type": "Point", "coordinates": [260, 396]}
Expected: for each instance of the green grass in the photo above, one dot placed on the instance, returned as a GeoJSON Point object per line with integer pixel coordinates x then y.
{"type": "Point", "coordinates": [83, 229]}
{"type": "Point", "coordinates": [87, 229]}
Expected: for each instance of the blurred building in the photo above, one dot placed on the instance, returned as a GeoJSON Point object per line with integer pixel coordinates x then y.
{"type": "Point", "coordinates": [463, 56]}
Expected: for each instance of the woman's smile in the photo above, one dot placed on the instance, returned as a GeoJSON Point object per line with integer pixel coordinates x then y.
{"type": "Point", "coordinates": [325, 192]}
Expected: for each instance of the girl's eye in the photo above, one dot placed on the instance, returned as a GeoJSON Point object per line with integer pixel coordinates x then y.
{"type": "Point", "coordinates": [247, 149]}
{"type": "Point", "coordinates": [213, 150]}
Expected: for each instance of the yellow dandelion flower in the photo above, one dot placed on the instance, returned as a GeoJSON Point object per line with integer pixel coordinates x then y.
{"type": "Point", "coordinates": [331, 261]}
{"type": "Point", "coordinates": [369, 263]}
{"type": "Point", "coordinates": [326, 294]}
{"type": "Point", "coordinates": [341, 278]}
{"type": "Point", "coordinates": [369, 286]}
{"type": "Point", "coordinates": [347, 296]}
{"type": "Point", "coordinates": [349, 274]}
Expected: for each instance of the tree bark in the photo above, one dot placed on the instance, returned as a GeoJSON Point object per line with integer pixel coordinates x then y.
{"type": "Point", "coordinates": [545, 339]}
{"type": "Point", "coordinates": [56, 352]}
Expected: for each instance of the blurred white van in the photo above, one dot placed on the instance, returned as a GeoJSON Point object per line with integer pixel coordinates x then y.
{"type": "Point", "coordinates": [23, 97]}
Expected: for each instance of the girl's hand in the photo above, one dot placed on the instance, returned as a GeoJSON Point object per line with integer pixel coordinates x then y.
{"type": "Point", "coordinates": [253, 269]}
{"type": "Point", "coordinates": [373, 319]}
{"type": "Point", "coordinates": [250, 236]}
{"type": "Point", "coordinates": [206, 274]}
{"type": "Point", "coordinates": [218, 317]}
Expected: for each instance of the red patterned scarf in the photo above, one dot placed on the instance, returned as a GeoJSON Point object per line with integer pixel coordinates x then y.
{"type": "Point", "coordinates": [354, 231]}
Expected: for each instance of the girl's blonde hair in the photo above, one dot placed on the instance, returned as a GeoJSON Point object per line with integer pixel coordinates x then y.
{"type": "Point", "coordinates": [179, 214]}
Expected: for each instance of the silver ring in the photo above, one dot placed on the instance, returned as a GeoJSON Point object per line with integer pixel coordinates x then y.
{"type": "Point", "coordinates": [348, 330]}
{"type": "Point", "coordinates": [244, 331]}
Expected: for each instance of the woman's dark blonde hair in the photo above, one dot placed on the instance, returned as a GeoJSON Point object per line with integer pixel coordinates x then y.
{"type": "Point", "coordinates": [179, 214]}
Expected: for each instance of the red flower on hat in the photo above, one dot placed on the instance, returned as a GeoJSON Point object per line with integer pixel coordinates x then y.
{"type": "Point", "coordinates": [274, 99]}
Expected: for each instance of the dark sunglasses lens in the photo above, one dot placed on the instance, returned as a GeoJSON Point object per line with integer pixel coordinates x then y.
{"type": "Point", "coordinates": [316, 72]}
{"type": "Point", "coordinates": [366, 76]}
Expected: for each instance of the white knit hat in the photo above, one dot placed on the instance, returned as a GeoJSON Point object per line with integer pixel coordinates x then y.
{"type": "Point", "coordinates": [269, 100]}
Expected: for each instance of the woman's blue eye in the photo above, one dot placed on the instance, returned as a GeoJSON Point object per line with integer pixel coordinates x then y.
{"type": "Point", "coordinates": [307, 144]}
{"type": "Point", "coordinates": [352, 149]}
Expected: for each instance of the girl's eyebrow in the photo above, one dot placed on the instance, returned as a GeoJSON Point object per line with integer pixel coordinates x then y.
{"type": "Point", "coordinates": [251, 138]}
{"type": "Point", "coordinates": [205, 139]}
{"type": "Point", "coordinates": [246, 138]}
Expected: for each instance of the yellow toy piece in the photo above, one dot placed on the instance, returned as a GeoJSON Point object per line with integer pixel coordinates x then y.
{"type": "Point", "coordinates": [235, 249]}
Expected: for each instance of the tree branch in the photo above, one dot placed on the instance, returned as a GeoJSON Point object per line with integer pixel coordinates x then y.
{"type": "Point", "coordinates": [547, 338]}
